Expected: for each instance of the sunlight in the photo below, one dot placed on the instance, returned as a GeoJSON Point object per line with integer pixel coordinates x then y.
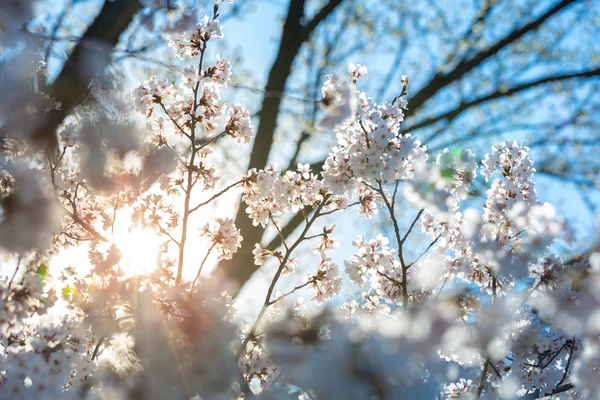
{"type": "Point", "coordinates": [139, 249]}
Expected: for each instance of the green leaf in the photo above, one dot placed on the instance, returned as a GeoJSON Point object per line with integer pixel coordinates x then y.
{"type": "Point", "coordinates": [42, 271]}
{"type": "Point", "coordinates": [455, 152]}
{"type": "Point", "coordinates": [67, 292]}
{"type": "Point", "coordinates": [447, 173]}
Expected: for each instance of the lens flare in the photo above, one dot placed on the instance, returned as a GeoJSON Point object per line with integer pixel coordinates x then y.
{"type": "Point", "coordinates": [139, 249]}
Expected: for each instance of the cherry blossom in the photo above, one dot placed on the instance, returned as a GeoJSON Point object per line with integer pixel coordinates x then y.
{"type": "Point", "coordinates": [224, 236]}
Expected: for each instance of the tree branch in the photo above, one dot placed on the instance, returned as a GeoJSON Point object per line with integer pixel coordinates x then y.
{"type": "Point", "coordinates": [538, 395]}
{"type": "Point", "coordinates": [83, 65]}
{"type": "Point", "coordinates": [318, 18]}
{"type": "Point", "coordinates": [441, 80]}
{"type": "Point", "coordinates": [463, 106]}
{"type": "Point", "coordinates": [293, 36]}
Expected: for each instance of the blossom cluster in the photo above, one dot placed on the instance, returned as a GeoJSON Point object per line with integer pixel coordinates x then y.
{"type": "Point", "coordinates": [371, 149]}
{"type": "Point", "coordinates": [269, 194]}
{"type": "Point", "coordinates": [224, 236]}
{"type": "Point", "coordinates": [40, 358]}
{"type": "Point", "coordinates": [327, 282]}
{"type": "Point", "coordinates": [377, 262]}
{"type": "Point", "coordinates": [190, 45]}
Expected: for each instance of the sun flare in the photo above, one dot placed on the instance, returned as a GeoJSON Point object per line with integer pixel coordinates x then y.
{"type": "Point", "coordinates": [139, 249]}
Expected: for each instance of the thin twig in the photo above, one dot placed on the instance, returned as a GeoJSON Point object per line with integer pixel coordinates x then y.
{"type": "Point", "coordinates": [291, 291]}
{"type": "Point", "coordinates": [394, 194]}
{"type": "Point", "coordinates": [16, 270]}
{"type": "Point", "coordinates": [424, 252]}
{"type": "Point", "coordinates": [279, 232]}
{"type": "Point", "coordinates": [201, 266]}
{"type": "Point", "coordinates": [190, 179]}
{"type": "Point", "coordinates": [86, 226]}
{"type": "Point", "coordinates": [483, 378]}
{"type": "Point", "coordinates": [397, 282]}
{"type": "Point", "coordinates": [97, 348]}
{"type": "Point", "coordinates": [495, 369]}
{"type": "Point", "coordinates": [216, 195]}
{"type": "Point", "coordinates": [399, 243]}
{"type": "Point", "coordinates": [314, 236]}
{"type": "Point", "coordinates": [340, 209]}
{"type": "Point", "coordinates": [267, 300]}
{"type": "Point", "coordinates": [571, 351]}
{"type": "Point", "coordinates": [412, 225]}
{"type": "Point", "coordinates": [173, 120]}
{"type": "Point", "coordinates": [166, 233]}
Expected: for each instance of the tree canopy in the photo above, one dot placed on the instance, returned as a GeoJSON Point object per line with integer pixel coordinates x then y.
{"type": "Point", "coordinates": [146, 177]}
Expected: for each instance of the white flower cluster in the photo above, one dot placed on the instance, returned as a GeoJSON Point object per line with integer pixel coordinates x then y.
{"type": "Point", "coordinates": [190, 44]}
{"type": "Point", "coordinates": [370, 145]}
{"type": "Point", "coordinates": [40, 356]}
{"type": "Point", "coordinates": [239, 124]}
{"type": "Point", "coordinates": [209, 108]}
{"type": "Point", "coordinates": [68, 134]}
{"type": "Point", "coordinates": [376, 262]}
{"type": "Point", "coordinates": [536, 352]}
{"type": "Point", "coordinates": [150, 93]}
{"type": "Point", "coordinates": [198, 103]}
{"type": "Point", "coordinates": [340, 102]}
{"type": "Point", "coordinates": [257, 363]}
{"type": "Point", "coordinates": [512, 162]}
{"type": "Point", "coordinates": [459, 390]}
{"type": "Point", "coordinates": [269, 194]}
{"type": "Point", "coordinates": [571, 301]}
{"type": "Point", "coordinates": [485, 297]}
{"type": "Point", "coordinates": [460, 167]}
{"type": "Point", "coordinates": [357, 71]}
{"type": "Point", "coordinates": [327, 282]}
{"type": "Point", "coordinates": [224, 235]}
{"type": "Point", "coordinates": [152, 212]}
{"type": "Point", "coordinates": [220, 72]}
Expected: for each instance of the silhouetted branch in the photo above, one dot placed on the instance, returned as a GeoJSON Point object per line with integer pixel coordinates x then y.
{"type": "Point", "coordinates": [83, 65]}
{"type": "Point", "coordinates": [441, 80]}
{"type": "Point", "coordinates": [465, 105]}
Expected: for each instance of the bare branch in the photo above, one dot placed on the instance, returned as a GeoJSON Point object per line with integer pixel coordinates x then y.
{"type": "Point", "coordinates": [441, 80]}
{"type": "Point", "coordinates": [463, 106]}
{"type": "Point", "coordinates": [72, 83]}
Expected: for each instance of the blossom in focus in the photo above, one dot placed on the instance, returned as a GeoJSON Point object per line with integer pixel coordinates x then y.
{"type": "Point", "coordinates": [224, 235]}
{"type": "Point", "coordinates": [239, 124]}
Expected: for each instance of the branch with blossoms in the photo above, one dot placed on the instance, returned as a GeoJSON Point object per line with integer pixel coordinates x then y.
{"type": "Point", "coordinates": [201, 110]}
